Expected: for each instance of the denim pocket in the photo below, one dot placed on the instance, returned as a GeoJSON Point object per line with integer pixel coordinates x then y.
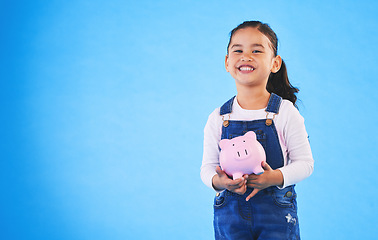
{"type": "Point", "coordinates": [284, 197]}
{"type": "Point", "coordinates": [220, 200]}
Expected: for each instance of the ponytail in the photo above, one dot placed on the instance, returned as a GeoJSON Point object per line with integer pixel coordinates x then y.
{"type": "Point", "coordinates": [279, 84]}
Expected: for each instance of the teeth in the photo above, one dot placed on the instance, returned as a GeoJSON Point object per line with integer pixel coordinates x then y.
{"type": "Point", "coordinates": [246, 69]}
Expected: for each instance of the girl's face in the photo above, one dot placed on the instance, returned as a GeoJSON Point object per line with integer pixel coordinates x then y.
{"type": "Point", "coordinates": [250, 58]}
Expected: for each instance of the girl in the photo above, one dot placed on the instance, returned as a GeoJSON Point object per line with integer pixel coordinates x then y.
{"type": "Point", "coordinates": [258, 206]}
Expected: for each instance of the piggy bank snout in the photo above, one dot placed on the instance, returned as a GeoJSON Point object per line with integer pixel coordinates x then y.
{"type": "Point", "coordinates": [242, 153]}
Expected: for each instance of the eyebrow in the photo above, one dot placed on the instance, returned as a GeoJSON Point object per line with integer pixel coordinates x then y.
{"type": "Point", "coordinates": [252, 45]}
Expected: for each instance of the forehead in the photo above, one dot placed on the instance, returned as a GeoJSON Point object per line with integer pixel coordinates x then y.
{"type": "Point", "coordinates": [249, 36]}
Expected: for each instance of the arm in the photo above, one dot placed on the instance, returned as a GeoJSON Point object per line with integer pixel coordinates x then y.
{"type": "Point", "coordinates": [211, 174]}
{"type": "Point", "coordinates": [210, 160]}
{"type": "Point", "coordinates": [299, 157]}
{"type": "Point", "coordinates": [300, 163]}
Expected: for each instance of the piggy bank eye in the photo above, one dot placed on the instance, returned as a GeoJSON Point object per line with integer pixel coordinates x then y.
{"type": "Point", "coordinates": [233, 144]}
{"type": "Point", "coordinates": [243, 140]}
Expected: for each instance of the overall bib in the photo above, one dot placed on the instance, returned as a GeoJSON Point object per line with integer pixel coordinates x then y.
{"type": "Point", "coordinates": [272, 212]}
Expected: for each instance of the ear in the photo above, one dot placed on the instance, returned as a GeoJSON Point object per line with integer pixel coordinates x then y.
{"type": "Point", "coordinates": [250, 135]}
{"type": "Point", "coordinates": [226, 63]}
{"type": "Point", "coordinates": [277, 61]}
{"type": "Point", "coordinates": [224, 143]}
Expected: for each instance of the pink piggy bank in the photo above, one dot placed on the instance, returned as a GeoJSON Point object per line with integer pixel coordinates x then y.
{"type": "Point", "coordinates": [241, 155]}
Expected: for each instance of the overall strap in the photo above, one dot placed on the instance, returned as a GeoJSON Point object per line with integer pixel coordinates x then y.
{"type": "Point", "coordinates": [227, 107]}
{"type": "Point", "coordinates": [274, 103]}
{"type": "Point", "coordinates": [273, 107]}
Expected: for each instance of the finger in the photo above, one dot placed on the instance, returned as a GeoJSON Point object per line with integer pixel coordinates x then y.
{"type": "Point", "coordinates": [219, 171]}
{"type": "Point", "coordinates": [253, 177]}
{"type": "Point", "coordinates": [237, 183]}
{"type": "Point", "coordinates": [253, 193]}
{"type": "Point", "coordinates": [241, 190]}
{"type": "Point", "coordinates": [266, 166]}
{"type": "Point", "coordinates": [255, 186]}
{"type": "Point", "coordinates": [252, 185]}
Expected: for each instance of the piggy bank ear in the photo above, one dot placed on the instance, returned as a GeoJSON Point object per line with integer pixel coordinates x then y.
{"type": "Point", "coordinates": [250, 135]}
{"type": "Point", "coordinates": [224, 143]}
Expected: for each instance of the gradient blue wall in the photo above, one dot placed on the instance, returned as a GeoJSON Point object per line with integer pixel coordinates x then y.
{"type": "Point", "coordinates": [103, 105]}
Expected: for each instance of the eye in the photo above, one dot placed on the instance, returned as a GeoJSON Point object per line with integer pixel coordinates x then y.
{"type": "Point", "coordinates": [256, 51]}
{"type": "Point", "coordinates": [233, 144]}
{"type": "Point", "coordinates": [238, 51]}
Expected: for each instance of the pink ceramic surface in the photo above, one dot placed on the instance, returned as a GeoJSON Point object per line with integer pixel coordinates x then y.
{"type": "Point", "coordinates": [241, 155]}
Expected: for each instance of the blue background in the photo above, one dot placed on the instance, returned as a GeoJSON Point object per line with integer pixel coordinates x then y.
{"type": "Point", "coordinates": [103, 105]}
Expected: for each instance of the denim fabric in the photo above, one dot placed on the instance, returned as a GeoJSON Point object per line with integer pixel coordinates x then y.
{"type": "Point", "coordinates": [273, 104]}
{"type": "Point", "coordinates": [270, 214]}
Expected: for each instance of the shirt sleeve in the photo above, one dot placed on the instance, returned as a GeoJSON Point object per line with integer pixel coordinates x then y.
{"type": "Point", "coordinates": [210, 158]}
{"type": "Point", "coordinates": [300, 163]}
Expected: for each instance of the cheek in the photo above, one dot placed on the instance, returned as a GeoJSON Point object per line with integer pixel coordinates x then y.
{"type": "Point", "coordinates": [269, 65]}
{"type": "Point", "coordinates": [229, 65]}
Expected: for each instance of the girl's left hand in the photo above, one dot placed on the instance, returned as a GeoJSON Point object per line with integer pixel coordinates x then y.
{"type": "Point", "coordinates": [269, 178]}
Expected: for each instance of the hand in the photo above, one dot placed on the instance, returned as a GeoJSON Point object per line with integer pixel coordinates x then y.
{"type": "Point", "coordinates": [221, 181]}
{"type": "Point", "coordinates": [269, 178]}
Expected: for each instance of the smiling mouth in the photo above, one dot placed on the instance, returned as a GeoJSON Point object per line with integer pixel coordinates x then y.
{"type": "Point", "coordinates": [246, 68]}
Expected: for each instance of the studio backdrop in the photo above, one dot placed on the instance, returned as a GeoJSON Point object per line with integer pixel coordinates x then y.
{"type": "Point", "coordinates": [103, 106]}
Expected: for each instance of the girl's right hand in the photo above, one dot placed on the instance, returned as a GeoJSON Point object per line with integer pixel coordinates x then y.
{"type": "Point", "coordinates": [221, 181]}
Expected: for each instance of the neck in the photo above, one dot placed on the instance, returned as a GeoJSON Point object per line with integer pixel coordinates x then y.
{"type": "Point", "coordinates": [252, 98]}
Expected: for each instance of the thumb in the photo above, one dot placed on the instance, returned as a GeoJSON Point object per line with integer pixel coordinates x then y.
{"type": "Point", "coordinates": [219, 171]}
{"type": "Point", "coordinates": [253, 193]}
{"type": "Point", "coordinates": [265, 166]}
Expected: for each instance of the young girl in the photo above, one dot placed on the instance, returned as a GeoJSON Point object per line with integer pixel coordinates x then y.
{"type": "Point", "coordinates": [258, 206]}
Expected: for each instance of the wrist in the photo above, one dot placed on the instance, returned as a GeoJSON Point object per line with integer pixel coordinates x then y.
{"type": "Point", "coordinates": [278, 178]}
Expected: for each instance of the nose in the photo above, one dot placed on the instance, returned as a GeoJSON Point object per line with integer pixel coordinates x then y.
{"type": "Point", "coordinates": [246, 58]}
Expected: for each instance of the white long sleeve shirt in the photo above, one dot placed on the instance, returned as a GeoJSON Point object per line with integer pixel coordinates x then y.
{"type": "Point", "coordinates": [298, 161]}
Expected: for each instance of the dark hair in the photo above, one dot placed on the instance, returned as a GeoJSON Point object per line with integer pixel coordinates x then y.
{"type": "Point", "coordinates": [278, 82]}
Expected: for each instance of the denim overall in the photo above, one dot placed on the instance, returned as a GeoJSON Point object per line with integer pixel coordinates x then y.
{"type": "Point", "coordinates": [272, 212]}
